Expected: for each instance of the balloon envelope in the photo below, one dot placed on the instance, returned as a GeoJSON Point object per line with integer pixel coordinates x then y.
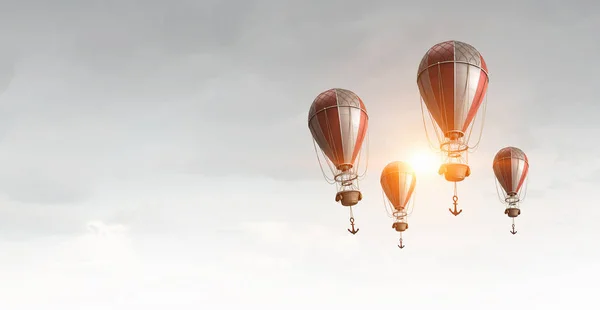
{"type": "Point", "coordinates": [453, 81]}
{"type": "Point", "coordinates": [511, 167]}
{"type": "Point", "coordinates": [338, 122]}
{"type": "Point", "coordinates": [398, 181]}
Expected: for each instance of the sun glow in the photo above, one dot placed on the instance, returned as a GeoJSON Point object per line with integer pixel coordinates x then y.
{"type": "Point", "coordinates": [424, 163]}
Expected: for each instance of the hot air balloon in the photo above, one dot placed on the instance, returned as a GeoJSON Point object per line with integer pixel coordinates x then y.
{"type": "Point", "coordinates": [398, 181]}
{"type": "Point", "coordinates": [511, 167]}
{"type": "Point", "coordinates": [338, 122]}
{"type": "Point", "coordinates": [453, 81]}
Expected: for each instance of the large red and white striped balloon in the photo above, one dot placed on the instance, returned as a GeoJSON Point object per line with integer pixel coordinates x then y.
{"type": "Point", "coordinates": [338, 122]}
{"type": "Point", "coordinates": [453, 81]}
{"type": "Point", "coordinates": [511, 167]}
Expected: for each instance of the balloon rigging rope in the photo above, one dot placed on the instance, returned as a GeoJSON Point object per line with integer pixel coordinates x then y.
{"type": "Point", "coordinates": [498, 190]}
{"type": "Point", "coordinates": [327, 178]}
{"type": "Point", "coordinates": [387, 205]}
{"type": "Point", "coordinates": [431, 145]}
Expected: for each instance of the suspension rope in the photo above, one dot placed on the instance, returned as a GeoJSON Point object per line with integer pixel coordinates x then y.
{"type": "Point", "coordinates": [501, 198]}
{"type": "Point", "coordinates": [431, 145]}
{"type": "Point", "coordinates": [455, 197]}
{"type": "Point", "coordinates": [327, 178]}
{"type": "Point", "coordinates": [387, 205]}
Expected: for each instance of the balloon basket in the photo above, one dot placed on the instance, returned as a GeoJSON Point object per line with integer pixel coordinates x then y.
{"type": "Point", "coordinates": [455, 172]}
{"type": "Point", "coordinates": [400, 226]}
{"type": "Point", "coordinates": [512, 212]}
{"type": "Point", "coordinates": [348, 198]}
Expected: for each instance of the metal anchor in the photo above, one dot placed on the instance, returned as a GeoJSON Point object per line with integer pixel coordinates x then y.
{"type": "Point", "coordinates": [353, 231]}
{"type": "Point", "coordinates": [455, 212]}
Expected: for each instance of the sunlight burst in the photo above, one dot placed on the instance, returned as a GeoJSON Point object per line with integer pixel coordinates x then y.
{"type": "Point", "coordinates": [424, 163]}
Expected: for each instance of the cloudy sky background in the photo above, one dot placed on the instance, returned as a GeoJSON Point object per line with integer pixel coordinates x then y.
{"type": "Point", "coordinates": [156, 153]}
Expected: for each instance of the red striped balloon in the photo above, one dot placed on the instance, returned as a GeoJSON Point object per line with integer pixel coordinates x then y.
{"type": "Point", "coordinates": [453, 81]}
{"type": "Point", "coordinates": [338, 122]}
{"type": "Point", "coordinates": [511, 167]}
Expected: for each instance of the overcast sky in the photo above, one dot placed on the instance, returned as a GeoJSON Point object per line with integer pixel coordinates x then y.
{"type": "Point", "coordinates": [156, 154]}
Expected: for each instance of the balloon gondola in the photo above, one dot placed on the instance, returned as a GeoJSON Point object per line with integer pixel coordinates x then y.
{"type": "Point", "coordinates": [338, 122]}
{"type": "Point", "coordinates": [398, 181]}
{"type": "Point", "coordinates": [511, 168]}
{"type": "Point", "coordinates": [453, 81]}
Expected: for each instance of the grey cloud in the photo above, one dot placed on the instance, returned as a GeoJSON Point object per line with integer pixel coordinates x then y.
{"type": "Point", "coordinates": [125, 89]}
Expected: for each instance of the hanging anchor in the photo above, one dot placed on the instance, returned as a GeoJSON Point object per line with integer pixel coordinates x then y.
{"type": "Point", "coordinates": [353, 231]}
{"type": "Point", "coordinates": [401, 245]}
{"type": "Point", "coordinates": [455, 199]}
{"type": "Point", "coordinates": [513, 231]}
{"type": "Point", "coordinates": [455, 212]}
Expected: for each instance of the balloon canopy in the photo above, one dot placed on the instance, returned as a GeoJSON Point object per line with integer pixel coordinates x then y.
{"type": "Point", "coordinates": [398, 181]}
{"type": "Point", "coordinates": [453, 81]}
{"type": "Point", "coordinates": [511, 167]}
{"type": "Point", "coordinates": [338, 122]}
